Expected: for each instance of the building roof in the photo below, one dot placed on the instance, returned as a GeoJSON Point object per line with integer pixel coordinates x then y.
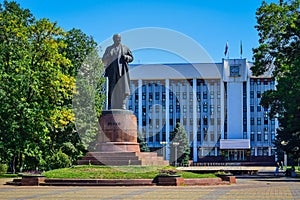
{"type": "Point", "coordinates": [178, 71]}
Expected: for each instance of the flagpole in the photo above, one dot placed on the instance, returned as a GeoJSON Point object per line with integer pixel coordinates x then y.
{"type": "Point", "coordinates": [241, 49]}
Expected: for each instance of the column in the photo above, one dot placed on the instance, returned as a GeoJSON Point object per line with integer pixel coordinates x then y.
{"type": "Point", "coordinates": [140, 124]}
{"type": "Point", "coordinates": [167, 120]}
{"type": "Point", "coordinates": [195, 149]}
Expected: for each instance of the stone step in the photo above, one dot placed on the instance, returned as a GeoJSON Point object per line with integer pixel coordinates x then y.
{"type": "Point", "coordinates": [16, 182]}
{"type": "Point", "coordinates": [111, 154]}
{"type": "Point", "coordinates": [109, 158]}
{"type": "Point", "coordinates": [109, 162]}
{"type": "Point", "coordinates": [123, 158]}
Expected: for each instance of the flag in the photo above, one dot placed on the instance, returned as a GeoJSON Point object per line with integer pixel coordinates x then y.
{"type": "Point", "coordinates": [241, 49]}
{"type": "Point", "coordinates": [226, 49]}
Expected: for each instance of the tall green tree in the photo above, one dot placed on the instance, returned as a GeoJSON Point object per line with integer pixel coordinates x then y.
{"type": "Point", "coordinates": [34, 88]}
{"type": "Point", "coordinates": [279, 51]}
{"type": "Point", "coordinates": [179, 143]}
{"type": "Point", "coordinates": [80, 135]}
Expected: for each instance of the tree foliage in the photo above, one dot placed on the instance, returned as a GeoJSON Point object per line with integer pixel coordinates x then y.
{"type": "Point", "coordinates": [179, 138]}
{"type": "Point", "coordinates": [279, 50]}
{"type": "Point", "coordinates": [38, 65]}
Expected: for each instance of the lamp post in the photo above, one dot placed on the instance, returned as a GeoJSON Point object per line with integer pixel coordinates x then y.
{"type": "Point", "coordinates": [176, 145]}
{"type": "Point", "coordinates": [284, 143]}
{"type": "Point", "coordinates": [164, 143]}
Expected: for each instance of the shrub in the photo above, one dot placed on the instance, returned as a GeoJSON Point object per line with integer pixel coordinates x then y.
{"type": "Point", "coordinates": [59, 160]}
{"type": "Point", "coordinates": [3, 168]}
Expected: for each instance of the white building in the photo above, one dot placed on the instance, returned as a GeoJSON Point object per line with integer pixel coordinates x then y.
{"type": "Point", "coordinates": [217, 103]}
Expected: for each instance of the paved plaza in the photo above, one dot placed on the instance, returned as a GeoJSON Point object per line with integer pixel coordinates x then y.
{"type": "Point", "coordinates": [246, 188]}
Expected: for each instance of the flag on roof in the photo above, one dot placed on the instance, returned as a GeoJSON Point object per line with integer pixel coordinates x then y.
{"type": "Point", "coordinates": [226, 49]}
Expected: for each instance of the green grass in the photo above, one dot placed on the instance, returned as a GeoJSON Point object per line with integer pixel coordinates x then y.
{"type": "Point", "coordinates": [8, 175]}
{"type": "Point", "coordinates": [120, 172]}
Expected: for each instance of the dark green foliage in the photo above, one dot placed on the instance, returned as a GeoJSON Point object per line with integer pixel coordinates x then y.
{"type": "Point", "coordinates": [279, 50]}
{"type": "Point", "coordinates": [3, 168]}
{"type": "Point", "coordinates": [143, 143]}
{"type": "Point", "coordinates": [38, 67]}
{"type": "Point", "coordinates": [58, 160]}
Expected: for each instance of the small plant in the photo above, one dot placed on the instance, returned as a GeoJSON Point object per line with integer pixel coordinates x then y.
{"type": "Point", "coordinates": [3, 168]}
{"type": "Point", "coordinates": [223, 173]}
{"type": "Point", "coordinates": [168, 172]}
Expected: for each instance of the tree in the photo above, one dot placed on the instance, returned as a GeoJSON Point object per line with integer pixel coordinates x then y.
{"type": "Point", "coordinates": [35, 90]}
{"type": "Point", "coordinates": [179, 142]}
{"type": "Point", "coordinates": [279, 51]}
{"type": "Point", "coordinates": [143, 143]}
{"type": "Point", "coordinates": [80, 135]}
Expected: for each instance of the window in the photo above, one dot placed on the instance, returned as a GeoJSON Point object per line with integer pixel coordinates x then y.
{"type": "Point", "coordinates": [258, 121]}
{"type": "Point", "coordinates": [204, 95]}
{"type": "Point", "coordinates": [150, 136]}
{"type": "Point", "coordinates": [157, 137]}
{"type": "Point", "coordinates": [266, 120]}
{"type": "Point", "coordinates": [252, 136]}
{"type": "Point", "coordinates": [258, 136]}
{"type": "Point", "coordinates": [234, 70]}
{"type": "Point", "coordinates": [205, 108]}
{"type": "Point", "coordinates": [198, 96]}
{"type": "Point", "coordinates": [272, 121]}
{"type": "Point", "coordinates": [178, 108]}
{"type": "Point", "coordinates": [157, 95]}
{"type": "Point", "coordinates": [171, 108]}
{"type": "Point", "coordinates": [198, 108]}
{"type": "Point", "coordinates": [163, 96]}
{"type": "Point", "coordinates": [205, 121]}
{"type": "Point", "coordinates": [252, 121]}
{"type": "Point", "coordinates": [258, 94]}
{"type": "Point", "coordinates": [184, 108]}
{"type": "Point", "coordinates": [258, 81]}
{"type": "Point", "coordinates": [212, 137]}
{"type": "Point", "coordinates": [198, 137]}
{"type": "Point", "coordinates": [258, 108]}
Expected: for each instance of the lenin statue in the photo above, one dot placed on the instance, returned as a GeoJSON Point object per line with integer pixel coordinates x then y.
{"type": "Point", "coordinates": [115, 60]}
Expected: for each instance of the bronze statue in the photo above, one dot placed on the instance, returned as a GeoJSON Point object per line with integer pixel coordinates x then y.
{"type": "Point", "coordinates": [115, 60]}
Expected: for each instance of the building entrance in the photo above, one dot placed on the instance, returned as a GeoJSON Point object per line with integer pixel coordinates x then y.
{"type": "Point", "coordinates": [235, 155]}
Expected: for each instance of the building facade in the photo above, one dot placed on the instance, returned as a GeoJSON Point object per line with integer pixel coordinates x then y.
{"type": "Point", "coordinates": [217, 103]}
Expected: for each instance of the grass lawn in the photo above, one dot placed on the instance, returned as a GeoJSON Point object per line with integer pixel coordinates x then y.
{"type": "Point", "coordinates": [8, 175]}
{"type": "Point", "coordinates": [120, 172]}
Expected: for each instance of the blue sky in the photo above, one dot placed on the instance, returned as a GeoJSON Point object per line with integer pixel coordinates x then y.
{"type": "Point", "coordinates": [209, 24]}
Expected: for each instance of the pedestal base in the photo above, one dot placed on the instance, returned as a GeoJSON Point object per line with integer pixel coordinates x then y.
{"type": "Point", "coordinates": [118, 131]}
{"type": "Point", "coordinates": [118, 147]}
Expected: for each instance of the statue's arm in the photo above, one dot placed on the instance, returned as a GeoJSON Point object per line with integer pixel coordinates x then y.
{"type": "Point", "coordinates": [128, 55]}
{"type": "Point", "coordinates": [106, 57]}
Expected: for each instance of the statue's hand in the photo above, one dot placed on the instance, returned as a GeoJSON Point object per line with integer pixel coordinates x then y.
{"type": "Point", "coordinates": [111, 53]}
{"type": "Point", "coordinates": [123, 57]}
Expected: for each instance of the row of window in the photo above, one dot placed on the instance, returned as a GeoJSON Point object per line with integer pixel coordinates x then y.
{"type": "Point", "coordinates": [259, 81]}
{"type": "Point", "coordinates": [262, 137]}
{"type": "Point", "coordinates": [259, 121]}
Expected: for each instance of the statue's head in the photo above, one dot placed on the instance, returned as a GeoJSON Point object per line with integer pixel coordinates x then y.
{"type": "Point", "coordinates": [117, 38]}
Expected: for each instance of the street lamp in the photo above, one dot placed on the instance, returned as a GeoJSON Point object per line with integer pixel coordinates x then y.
{"type": "Point", "coordinates": [164, 143]}
{"type": "Point", "coordinates": [284, 143]}
{"type": "Point", "coordinates": [176, 145]}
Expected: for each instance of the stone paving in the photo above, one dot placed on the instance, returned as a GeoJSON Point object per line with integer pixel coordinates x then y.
{"type": "Point", "coordinates": [246, 188]}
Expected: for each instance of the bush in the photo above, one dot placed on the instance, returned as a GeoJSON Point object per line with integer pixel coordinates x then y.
{"type": "Point", "coordinates": [59, 160]}
{"type": "Point", "coordinates": [3, 168]}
